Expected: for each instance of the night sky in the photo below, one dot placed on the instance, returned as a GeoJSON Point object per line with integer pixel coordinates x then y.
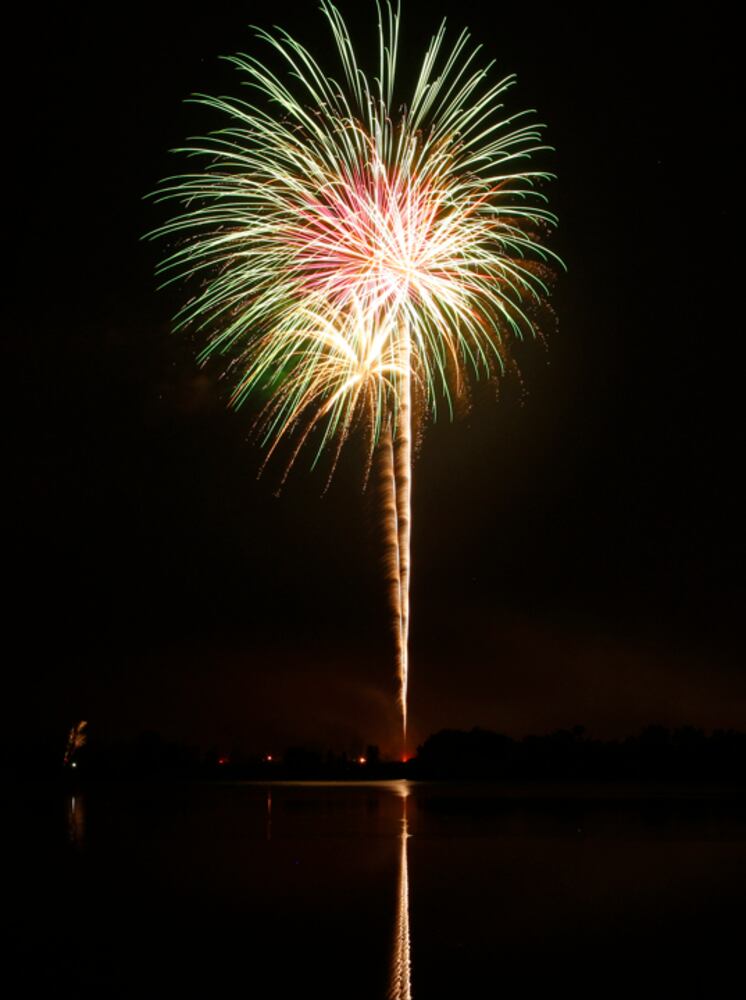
{"type": "Point", "coordinates": [578, 544]}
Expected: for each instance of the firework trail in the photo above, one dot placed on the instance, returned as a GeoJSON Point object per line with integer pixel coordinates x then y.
{"type": "Point", "coordinates": [358, 256]}
{"type": "Point", "coordinates": [403, 487]}
{"type": "Point", "coordinates": [393, 561]}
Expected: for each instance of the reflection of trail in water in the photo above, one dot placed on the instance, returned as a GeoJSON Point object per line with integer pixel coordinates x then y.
{"type": "Point", "coordinates": [269, 814]}
{"type": "Point", "coordinates": [76, 820]}
{"type": "Point", "coordinates": [401, 975]}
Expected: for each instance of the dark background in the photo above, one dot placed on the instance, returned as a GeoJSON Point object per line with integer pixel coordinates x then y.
{"type": "Point", "coordinates": [578, 546]}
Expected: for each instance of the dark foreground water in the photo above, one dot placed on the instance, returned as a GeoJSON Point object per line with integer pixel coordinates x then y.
{"type": "Point", "coordinates": [371, 891]}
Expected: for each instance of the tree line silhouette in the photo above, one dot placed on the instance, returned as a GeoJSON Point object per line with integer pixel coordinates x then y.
{"type": "Point", "coordinates": [656, 754]}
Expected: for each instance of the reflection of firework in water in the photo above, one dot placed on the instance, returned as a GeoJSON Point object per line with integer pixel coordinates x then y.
{"type": "Point", "coordinates": [358, 257]}
{"type": "Point", "coordinates": [400, 985]}
{"type": "Point", "coordinates": [76, 820]}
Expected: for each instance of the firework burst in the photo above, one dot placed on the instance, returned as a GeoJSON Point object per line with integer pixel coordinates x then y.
{"type": "Point", "coordinates": [354, 255]}
{"type": "Point", "coordinates": [76, 739]}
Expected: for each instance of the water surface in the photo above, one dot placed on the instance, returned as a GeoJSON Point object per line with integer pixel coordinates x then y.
{"type": "Point", "coordinates": [378, 890]}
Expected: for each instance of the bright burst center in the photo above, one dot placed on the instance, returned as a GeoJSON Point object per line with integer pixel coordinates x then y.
{"type": "Point", "coordinates": [373, 235]}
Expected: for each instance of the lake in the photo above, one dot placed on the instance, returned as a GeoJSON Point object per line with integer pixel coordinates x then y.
{"type": "Point", "coordinates": [370, 891]}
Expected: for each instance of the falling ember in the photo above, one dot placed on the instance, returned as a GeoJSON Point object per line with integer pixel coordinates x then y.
{"type": "Point", "coordinates": [360, 255]}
